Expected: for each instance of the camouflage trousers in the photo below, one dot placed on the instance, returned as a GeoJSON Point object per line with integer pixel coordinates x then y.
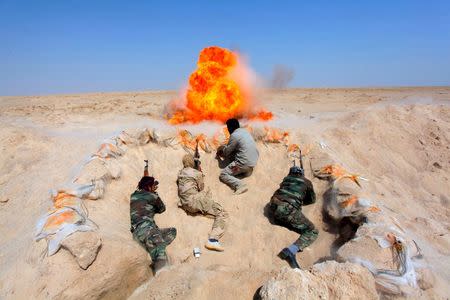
{"type": "Point", "coordinates": [229, 173]}
{"type": "Point", "coordinates": [155, 240]}
{"type": "Point", "coordinates": [292, 218]}
{"type": "Point", "coordinates": [203, 203]}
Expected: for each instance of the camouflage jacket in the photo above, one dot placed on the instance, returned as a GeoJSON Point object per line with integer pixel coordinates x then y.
{"type": "Point", "coordinates": [295, 190]}
{"type": "Point", "coordinates": [143, 207]}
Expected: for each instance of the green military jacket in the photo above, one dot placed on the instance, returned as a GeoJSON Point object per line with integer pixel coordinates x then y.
{"type": "Point", "coordinates": [295, 190]}
{"type": "Point", "coordinates": [143, 207]}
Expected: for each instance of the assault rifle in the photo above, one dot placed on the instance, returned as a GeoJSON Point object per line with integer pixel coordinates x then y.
{"type": "Point", "coordinates": [300, 158]}
{"type": "Point", "coordinates": [197, 161]}
{"type": "Point", "coordinates": [146, 168]}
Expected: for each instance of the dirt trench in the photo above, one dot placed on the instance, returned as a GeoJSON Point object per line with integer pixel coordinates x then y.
{"type": "Point", "coordinates": [252, 241]}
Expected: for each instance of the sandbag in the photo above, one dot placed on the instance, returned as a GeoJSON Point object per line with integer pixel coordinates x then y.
{"type": "Point", "coordinates": [108, 149]}
{"type": "Point", "coordinates": [60, 223]}
{"type": "Point", "coordinates": [401, 280]}
{"type": "Point", "coordinates": [135, 137]}
{"type": "Point", "coordinates": [98, 169]}
{"type": "Point", "coordinates": [164, 139]}
{"type": "Point", "coordinates": [345, 198]}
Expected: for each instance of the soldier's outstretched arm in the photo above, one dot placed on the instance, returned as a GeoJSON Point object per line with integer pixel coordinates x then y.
{"type": "Point", "coordinates": [310, 194]}
{"type": "Point", "coordinates": [160, 207]}
{"type": "Point", "coordinates": [230, 147]}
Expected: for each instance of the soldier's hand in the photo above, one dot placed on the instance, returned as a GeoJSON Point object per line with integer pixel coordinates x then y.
{"type": "Point", "coordinates": [220, 150]}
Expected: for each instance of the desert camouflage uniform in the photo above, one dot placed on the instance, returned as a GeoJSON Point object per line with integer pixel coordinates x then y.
{"type": "Point", "coordinates": [286, 205]}
{"type": "Point", "coordinates": [195, 199]}
{"type": "Point", "coordinates": [143, 207]}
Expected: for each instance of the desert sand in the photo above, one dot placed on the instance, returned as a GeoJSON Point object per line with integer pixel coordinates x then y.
{"type": "Point", "coordinates": [397, 138]}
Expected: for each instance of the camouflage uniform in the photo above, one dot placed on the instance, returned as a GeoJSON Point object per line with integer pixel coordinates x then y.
{"type": "Point", "coordinates": [286, 205]}
{"type": "Point", "coordinates": [143, 207]}
{"type": "Point", "coordinates": [195, 199]}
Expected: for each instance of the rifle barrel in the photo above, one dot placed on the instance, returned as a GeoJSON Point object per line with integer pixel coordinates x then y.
{"type": "Point", "coordinates": [301, 159]}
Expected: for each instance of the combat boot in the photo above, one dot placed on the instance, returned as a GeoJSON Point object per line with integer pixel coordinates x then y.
{"type": "Point", "coordinates": [287, 255]}
{"type": "Point", "coordinates": [158, 265]}
{"type": "Point", "coordinates": [242, 189]}
{"type": "Point", "coordinates": [214, 245]}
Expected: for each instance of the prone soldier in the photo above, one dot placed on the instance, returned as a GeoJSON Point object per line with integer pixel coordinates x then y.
{"type": "Point", "coordinates": [144, 204]}
{"type": "Point", "coordinates": [286, 207]}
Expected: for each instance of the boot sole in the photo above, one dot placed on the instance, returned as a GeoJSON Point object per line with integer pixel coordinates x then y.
{"type": "Point", "coordinates": [214, 248]}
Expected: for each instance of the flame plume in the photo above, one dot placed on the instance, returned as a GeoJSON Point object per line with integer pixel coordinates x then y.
{"type": "Point", "coordinates": [217, 91]}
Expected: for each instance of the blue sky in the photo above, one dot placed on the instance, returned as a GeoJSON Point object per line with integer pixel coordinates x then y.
{"type": "Point", "coordinates": [49, 47]}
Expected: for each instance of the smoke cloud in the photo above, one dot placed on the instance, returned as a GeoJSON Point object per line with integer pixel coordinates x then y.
{"type": "Point", "coordinates": [281, 76]}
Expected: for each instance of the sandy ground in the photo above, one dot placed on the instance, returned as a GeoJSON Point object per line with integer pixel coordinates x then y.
{"type": "Point", "coordinates": [398, 138]}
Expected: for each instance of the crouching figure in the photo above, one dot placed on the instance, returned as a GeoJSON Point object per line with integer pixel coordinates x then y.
{"type": "Point", "coordinates": [286, 207]}
{"type": "Point", "coordinates": [144, 204]}
{"type": "Point", "coordinates": [195, 199]}
{"type": "Point", "coordinates": [241, 155]}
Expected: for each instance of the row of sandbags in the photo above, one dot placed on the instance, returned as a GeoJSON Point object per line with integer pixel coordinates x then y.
{"type": "Point", "coordinates": [262, 134]}
{"type": "Point", "coordinates": [68, 213]}
{"type": "Point", "coordinates": [380, 243]}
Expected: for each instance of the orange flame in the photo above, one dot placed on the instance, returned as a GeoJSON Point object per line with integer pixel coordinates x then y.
{"type": "Point", "coordinates": [213, 93]}
{"type": "Point", "coordinates": [188, 141]}
{"type": "Point", "coordinates": [374, 209]}
{"type": "Point", "coordinates": [274, 135]}
{"type": "Point", "coordinates": [334, 170]}
{"type": "Point", "coordinates": [293, 148]}
{"type": "Point", "coordinates": [221, 138]}
{"type": "Point", "coordinates": [349, 201]}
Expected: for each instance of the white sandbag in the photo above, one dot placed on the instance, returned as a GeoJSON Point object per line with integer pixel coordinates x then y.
{"type": "Point", "coordinates": [98, 191]}
{"type": "Point", "coordinates": [98, 169]}
{"type": "Point", "coordinates": [113, 167]}
{"type": "Point", "coordinates": [64, 200]}
{"type": "Point", "coordinates": [60, 223]}
{"type": "Point", "coordinates": [54, 241]}
{"type": "Point", "coordinates": [91, 191]}
{"type": "Point", "coordinates": [399, 281]}
{"type": "Point", "coordinates": [109, 149]}
{"type": "Point", "coordinates": [51, 222]}
{"type": "Point", "coordinates": [164, 139]}
{"type": "Point", "coordinates": [94, 169]}
{"type": "Point", "coordinates": [79, 191]}
{"type": "Point", "coordinates": [135, 137]}
{"type": "Point", "coordinates": [345, 198]}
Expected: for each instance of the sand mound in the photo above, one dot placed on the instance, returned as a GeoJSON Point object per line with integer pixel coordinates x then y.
{"type": "Point", "coordinates": [327, 280]}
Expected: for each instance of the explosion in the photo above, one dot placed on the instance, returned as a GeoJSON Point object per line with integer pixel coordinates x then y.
{"type": "Point", "coordinates": [217, 91]}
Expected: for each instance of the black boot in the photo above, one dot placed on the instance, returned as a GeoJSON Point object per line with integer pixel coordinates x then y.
{"type": "Point", "coordinates": [289, 257]}
{"type": "Point", "coordinates": [158, 265]}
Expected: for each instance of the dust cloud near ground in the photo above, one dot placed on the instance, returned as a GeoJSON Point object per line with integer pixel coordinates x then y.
{"type": "Point", "coordinates": [397, 138]}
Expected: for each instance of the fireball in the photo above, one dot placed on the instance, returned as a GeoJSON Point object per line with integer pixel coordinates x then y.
{"type": "Point", "coordinates": [216, 91]}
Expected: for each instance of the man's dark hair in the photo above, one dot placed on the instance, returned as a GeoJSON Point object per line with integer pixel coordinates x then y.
{"type": "Point", "coordinates": [232, 125]}
{"type": "Point", "coordinates": [145, 182]}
